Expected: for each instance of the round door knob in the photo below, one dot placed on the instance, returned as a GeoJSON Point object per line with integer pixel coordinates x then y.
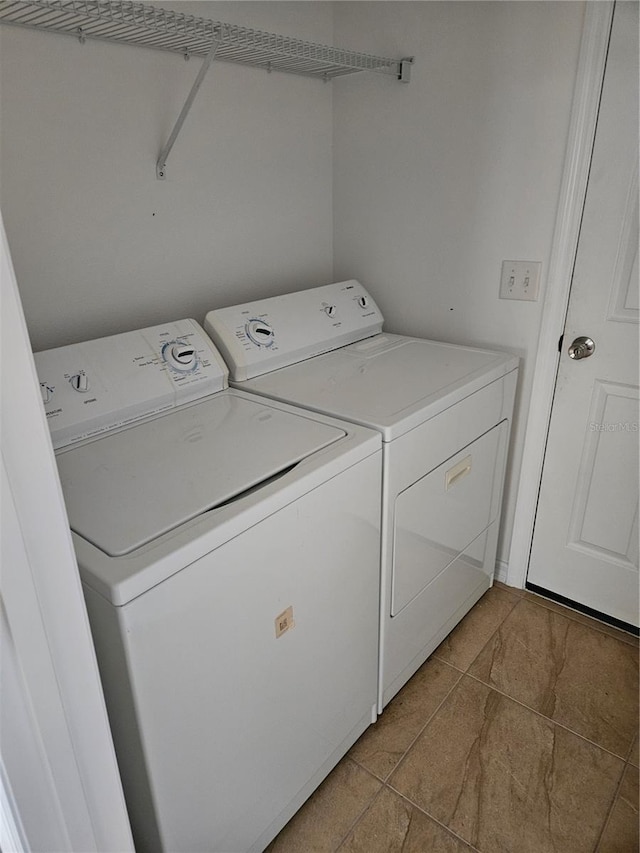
{"type": "Point", "coordinates": [582, 347]}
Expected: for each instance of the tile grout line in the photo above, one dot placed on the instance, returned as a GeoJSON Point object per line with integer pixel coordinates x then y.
{"type": "Point", "coordinates": [625, 764]}
{"type": "Point", "coordinates": [610, 809]}
{"type": "Point", "coordinates": [551, 720]}
{"type": "Point", "coordinates": [629, 758]}
{"type": "Point", "coordinates": [429, 719]}
{"type": "Point", "coordinates": [384, 779]}
{"type": "Point", "coordinates": [386, 783]}
{"type": "Point", "coordinates": [482, 648]}
{"type": "Point", "coordinates": [621, 636]}
{"type": "Point", "coordinates": [462, 672]}
{"type": "Point", "coordinates": [629, 751]}
{"type": "Point", "coordinates": [364, 811]}
{"type": "Point", "coordinates": [384, 786]}
{"type": "Point", "coordinates": [443, 826]}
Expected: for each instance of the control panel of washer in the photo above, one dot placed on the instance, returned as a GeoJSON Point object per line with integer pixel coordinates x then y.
{"type": "Point", "coordinates": [99, 385]}
{"type": "Point", "coordinates": [262, 336]}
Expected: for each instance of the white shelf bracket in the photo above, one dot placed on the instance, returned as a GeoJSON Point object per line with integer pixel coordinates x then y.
{"type": "Point", "coordinates": [161, 164]}
{"type": "Point", "coordinates": [404, 74]}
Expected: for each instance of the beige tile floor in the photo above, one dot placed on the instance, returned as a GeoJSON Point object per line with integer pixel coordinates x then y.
{"type": "Point", "coordinates": [519, 734]}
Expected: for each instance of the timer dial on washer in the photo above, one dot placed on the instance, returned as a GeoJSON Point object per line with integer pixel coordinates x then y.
{"type": "Point", "coordinates": [80, 382]}
{"type": "Point", "coordinates": [260, 333]}
{"type": "Point", "coordinates": [180, 356]}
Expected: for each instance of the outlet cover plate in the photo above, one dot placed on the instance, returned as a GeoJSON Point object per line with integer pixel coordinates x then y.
{"type": "Point", "coordinates": [520, 280]}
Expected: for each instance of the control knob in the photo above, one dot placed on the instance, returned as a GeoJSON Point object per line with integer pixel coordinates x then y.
{"type": "Point", "coordinates": [80, 382]}
{"type": "Point", "coordinates": [330, 310]}
{"type": "Point", "coordinates": [363, 302]}
{"type": "Point", "coordinates": [260, 333]}
{"type": "Point", "coordinates": [180, 356]}
{"type": "Point", "coordinates": [46, 392]}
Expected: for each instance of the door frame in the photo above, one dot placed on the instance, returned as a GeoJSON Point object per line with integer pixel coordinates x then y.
{"type": "Point", "coordinates": [582, 128]}
{"type": "Point", "coordinates": [59, 782]}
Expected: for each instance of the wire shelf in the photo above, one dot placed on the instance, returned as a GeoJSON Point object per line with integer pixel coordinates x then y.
{"type": "Point", "coordinates": [149, 26]}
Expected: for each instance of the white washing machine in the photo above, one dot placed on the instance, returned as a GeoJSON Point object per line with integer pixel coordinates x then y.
{"type": "Point", "coordinates": [444, 414]}
{"type": "Point", "coordinates": [229, 551]}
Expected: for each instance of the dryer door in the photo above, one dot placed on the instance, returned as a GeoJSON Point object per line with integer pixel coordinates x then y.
{"type": "Point", "coordinates": [439, 516]}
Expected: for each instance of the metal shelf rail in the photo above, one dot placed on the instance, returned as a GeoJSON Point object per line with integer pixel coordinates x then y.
{"type": "Point", "coordinates": [148, 26]}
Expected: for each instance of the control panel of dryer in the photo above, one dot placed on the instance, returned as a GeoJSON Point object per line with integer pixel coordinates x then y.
{"type": "Point", "coordinates": [262, 336]}
{"type": "Point", "coordinates": [92, 387]}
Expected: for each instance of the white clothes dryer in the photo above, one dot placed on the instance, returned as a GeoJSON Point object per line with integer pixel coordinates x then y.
{"type": "Point", "coordinates": [444, 413]}
{"type": "Point", "coordinates": [229, 552]}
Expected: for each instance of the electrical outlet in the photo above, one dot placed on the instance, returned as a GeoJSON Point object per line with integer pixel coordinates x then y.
{"type": "Point", "coordinates": [520, 280]}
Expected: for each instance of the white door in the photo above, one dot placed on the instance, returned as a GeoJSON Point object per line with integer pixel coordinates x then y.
{"type": "Point", "coordinates": [585, 545]}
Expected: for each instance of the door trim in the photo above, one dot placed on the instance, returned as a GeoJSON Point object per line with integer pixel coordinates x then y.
{"type": "Point", "coordinates": [58, 769]}
{"type": "Point", "coordinates": [582, 127]}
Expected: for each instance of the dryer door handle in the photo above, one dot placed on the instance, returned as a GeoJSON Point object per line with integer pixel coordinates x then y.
{"type": "Point", "coordinates": [455, 474]}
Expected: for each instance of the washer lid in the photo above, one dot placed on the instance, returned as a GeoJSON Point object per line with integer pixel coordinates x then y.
{"type": "Point", "coordinates": [126, 489]}
{"type": "Point", "coordinates": [391, 383]}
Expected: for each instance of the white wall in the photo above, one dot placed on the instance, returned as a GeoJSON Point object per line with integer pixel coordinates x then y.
{"type": "Point", "coordinates": [99, 245]}
{"type": "Point", "coordinates": [434, 183]}
{"type": "Point", "coordinates": [437, 182]}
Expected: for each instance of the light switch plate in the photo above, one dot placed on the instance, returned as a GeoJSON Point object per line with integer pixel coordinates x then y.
{"type": "Point", "coordinates": [520, 280]}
